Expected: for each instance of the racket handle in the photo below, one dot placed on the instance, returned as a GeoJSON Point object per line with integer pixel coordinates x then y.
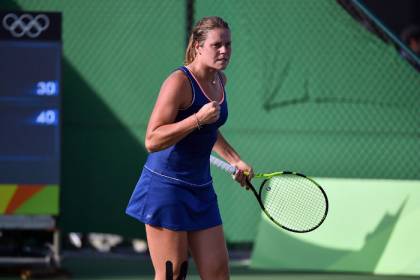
{"type": "Point", "coordinates": [222, 165]}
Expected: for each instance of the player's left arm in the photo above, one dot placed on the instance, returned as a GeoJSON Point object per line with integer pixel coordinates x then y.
{"type": "Point", "coordinates": [228, 153]}
{"type": "Point", "coordinates": [225, 150]}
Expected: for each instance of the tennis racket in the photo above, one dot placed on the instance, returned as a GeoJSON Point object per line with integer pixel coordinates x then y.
{"type": "Point", "coordinates": [290, 200]}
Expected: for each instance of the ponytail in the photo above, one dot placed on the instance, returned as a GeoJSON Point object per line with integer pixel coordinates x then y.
{"type": "Point", "coordinates": [190, 52]}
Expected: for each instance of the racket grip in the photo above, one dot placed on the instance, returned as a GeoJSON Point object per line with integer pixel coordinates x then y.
{"type": "Point", "coordinates": [222, 165]}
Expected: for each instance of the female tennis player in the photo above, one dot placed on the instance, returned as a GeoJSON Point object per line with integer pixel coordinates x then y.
{"type": "Point", "coordinates": [174, 196]}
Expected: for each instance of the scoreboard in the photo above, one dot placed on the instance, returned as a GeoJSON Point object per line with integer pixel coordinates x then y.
{"type": "Point", "coordinates": [30, 112]}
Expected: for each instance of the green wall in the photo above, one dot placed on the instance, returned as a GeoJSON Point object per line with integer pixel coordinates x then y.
{"type": "Point", "coordinates": [372, 227]}
{"type": "Point", "coordinates": [309, 90]}
{"type": "Point", "coordinates": [115, 55]}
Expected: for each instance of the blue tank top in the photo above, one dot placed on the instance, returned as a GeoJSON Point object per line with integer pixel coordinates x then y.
{"type": "Point", "coordinates": [188, 160]}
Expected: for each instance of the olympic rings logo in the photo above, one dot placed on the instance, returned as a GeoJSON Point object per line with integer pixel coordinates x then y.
{"type": "Point", "coordinates": [26, 24]}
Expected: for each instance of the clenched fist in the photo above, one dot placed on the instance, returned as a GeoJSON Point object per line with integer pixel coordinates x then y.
{"type": "Point", "coordinates": [209, 113]}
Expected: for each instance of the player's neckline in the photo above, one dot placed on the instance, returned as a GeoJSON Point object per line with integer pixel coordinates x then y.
{"type": "Point", "coordinates": [203, 91]}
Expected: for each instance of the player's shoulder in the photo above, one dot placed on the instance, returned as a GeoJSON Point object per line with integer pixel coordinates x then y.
{"type": "Point", "coordinates": [177, 79]}
{"type": "Point", "coordinates": [177, 87]}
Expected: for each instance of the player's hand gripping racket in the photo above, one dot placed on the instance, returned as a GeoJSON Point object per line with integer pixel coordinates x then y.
{"type": "Point", "coordinates": [291, 200]}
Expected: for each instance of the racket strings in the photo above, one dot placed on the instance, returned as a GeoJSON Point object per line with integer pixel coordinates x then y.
{"type": "Point", "coordinates": [294, 202]}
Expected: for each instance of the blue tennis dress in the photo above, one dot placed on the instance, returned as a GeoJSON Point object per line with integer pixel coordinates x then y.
{"type": "Point", "coordinates": [175, 189]}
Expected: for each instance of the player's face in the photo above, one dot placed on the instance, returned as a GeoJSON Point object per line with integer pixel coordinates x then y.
{"type": "Point", "coordinates": [216, 49]}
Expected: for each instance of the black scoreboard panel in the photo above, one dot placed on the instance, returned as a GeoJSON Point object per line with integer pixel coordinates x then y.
{"type": "Point", "coordinates": [30, 94]}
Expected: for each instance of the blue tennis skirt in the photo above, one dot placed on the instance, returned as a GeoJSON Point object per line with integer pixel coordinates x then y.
{"type": "Point", "coordinates": [165, 202]}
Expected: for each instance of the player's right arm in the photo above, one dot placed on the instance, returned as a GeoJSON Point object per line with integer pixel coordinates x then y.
{"type": "Point", "coordinates": [175, 94]}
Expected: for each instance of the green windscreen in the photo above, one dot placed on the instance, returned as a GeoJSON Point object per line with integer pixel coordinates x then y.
{"type": "Point", "coordinates": [115, 56]}
{"type": "Point", "coordinates": [309, 90]}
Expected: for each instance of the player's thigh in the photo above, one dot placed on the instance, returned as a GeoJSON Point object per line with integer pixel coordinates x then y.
{"type": "Point", "coordinates": [208, 248]}
{"type": "Point", "coordinates": [166, 245]}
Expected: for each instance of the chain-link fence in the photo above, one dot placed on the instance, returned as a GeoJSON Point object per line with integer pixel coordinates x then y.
{"type": "Point", "coordinates": [309, 89]}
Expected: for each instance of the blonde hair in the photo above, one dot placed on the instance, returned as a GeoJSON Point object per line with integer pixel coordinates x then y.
{"type": "Point", "coordinates": [199, 34]}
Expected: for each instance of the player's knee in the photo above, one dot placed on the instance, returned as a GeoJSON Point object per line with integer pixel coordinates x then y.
{"type": "Point", "coordinates": [176, 271]}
